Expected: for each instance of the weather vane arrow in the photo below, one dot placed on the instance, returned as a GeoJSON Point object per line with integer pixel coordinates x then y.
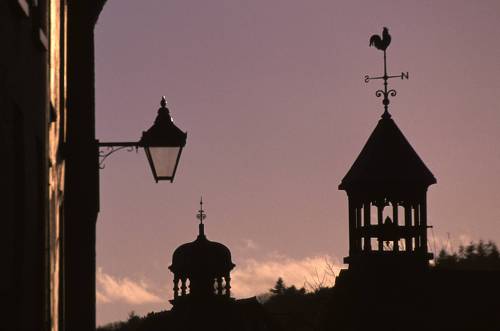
{"type": "Point", "coordinates": [382, 43]}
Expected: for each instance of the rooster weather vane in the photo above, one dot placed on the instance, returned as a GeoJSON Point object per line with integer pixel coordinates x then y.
{"type": "Point", "coordinates": [382, 43]}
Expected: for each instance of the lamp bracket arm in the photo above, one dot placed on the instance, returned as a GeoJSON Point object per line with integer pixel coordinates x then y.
{"type": "Point", "coordinates": [111, 147]}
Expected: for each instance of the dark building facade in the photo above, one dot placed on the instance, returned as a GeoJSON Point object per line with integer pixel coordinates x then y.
{"type": "Point", "coordinates": [49, 165]}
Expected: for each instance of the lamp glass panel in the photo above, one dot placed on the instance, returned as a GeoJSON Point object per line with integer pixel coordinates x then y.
{"type": "Point", "coordinates": [164, 159]}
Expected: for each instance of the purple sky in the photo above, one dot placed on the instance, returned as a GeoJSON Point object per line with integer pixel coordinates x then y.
{"type": "Point", "coordinates": [272, 95]}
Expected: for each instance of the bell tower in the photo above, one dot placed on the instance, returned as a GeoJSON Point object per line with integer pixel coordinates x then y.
{"type": "Point", "coordinates": [386, 189]}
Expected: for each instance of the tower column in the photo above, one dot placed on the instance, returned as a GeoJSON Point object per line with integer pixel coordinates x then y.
{"type": "Point", "coordinates": [366, 223]}
{"type": "Point", "coordinates": [395, 244]}
{"type": "Point", "coordinates": [227, 278]}
{"type": "Point", "coordinates": [352, 227]}
{"type": "Point", "coordinates": [358, 227]}
{"type": "Point", "coordinates": [380, 222]}
{"type": "Point", "coordinates": [219, 285]}
{"type": "Point", "coordinates": [408, 239]}
{"type": "Point", "coordinates": [416, 222]}
{"type": "Point", "coordinates": [176, 287]}
{"type": "Point", "coordinates": [423, 224]}
{"type": "Point", "coordinates": [183, 286]}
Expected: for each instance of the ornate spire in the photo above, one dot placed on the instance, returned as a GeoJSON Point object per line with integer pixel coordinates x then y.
{"type": "Point", "coordinates": [201, 213]}
{"type": "Point", "coordinates": [382, 43]}
{"type": "Point", "coordinates": [201, 216]}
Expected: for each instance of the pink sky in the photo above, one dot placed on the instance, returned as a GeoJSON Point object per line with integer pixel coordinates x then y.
{"type": "Point", "coordinates": [272, 95]}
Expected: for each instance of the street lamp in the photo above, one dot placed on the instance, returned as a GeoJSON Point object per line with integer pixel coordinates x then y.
{"type": "Point", "coordinates": [162, 143]}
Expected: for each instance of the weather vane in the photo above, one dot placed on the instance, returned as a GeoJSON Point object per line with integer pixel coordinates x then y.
{"type": "Point", "coordinates": [201, 213]}
{"type": "Point", "coordinates": [382, 43]}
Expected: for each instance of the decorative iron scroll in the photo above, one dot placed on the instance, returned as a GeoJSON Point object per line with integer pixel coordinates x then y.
{"type": "Point", "coordinates": [112, 147]}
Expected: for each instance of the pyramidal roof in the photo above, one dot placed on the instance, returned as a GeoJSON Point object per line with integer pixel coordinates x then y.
{"type": "Point", "coordinates": [387, 159]}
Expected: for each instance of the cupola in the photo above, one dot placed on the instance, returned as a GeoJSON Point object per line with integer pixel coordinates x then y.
{"type": "Point", "coordinates": [202, 267]}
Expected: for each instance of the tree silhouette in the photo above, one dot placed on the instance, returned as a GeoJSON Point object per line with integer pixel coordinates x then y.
{"type": "Point", "coordinates": [475, 256]}
{"type": "Point", "coordinates": [279, 287]}
{"type": "Point", "coordinates": [294, 309]}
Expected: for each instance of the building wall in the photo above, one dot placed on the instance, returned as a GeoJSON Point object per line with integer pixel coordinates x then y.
{"type": "Point", "coordinates": [82, 170]}
{"type": "Point", "coordinates": [47, 141]}
{"type": "Point", "coordinates": [55, 145]}
{"type": "Point", "coordinates": [23, 129]}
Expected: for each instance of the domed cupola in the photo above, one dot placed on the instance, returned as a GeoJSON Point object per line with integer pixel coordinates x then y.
{"type": "Point", "coordinates": [202, 267]}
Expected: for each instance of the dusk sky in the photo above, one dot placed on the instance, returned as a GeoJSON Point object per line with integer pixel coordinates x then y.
{"type": "Point", "coordinates": [271, 93]}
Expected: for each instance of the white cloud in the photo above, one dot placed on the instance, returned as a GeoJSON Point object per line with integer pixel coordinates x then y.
{"type": "Point", "coordinates": [252, 277]}
{"type": "Point", "coordinates": [112, 289]}
{"type": "Point", "coordinates": [101, 298]}
{"type": "Point", "coordinates": [250, 244]}
{"type": "Point", "coordinates": [448, 242]}
{"type": "Point", "coordinates": [245, 246]}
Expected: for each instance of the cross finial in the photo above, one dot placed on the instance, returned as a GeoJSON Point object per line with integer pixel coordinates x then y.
{"type": "Point", "coordinates": [382, 43]}
{"type": "Point", "coordinates": [201, 213]}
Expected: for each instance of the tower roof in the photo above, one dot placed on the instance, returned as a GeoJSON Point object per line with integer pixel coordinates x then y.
{"type": "Point", "coordinates": [387, 160]}
{"type": "Point", "coordinates": [201, 257]}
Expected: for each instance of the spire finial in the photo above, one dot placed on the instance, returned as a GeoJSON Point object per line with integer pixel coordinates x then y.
{"type": "Point", "coordinates": [382, 43]}
{"type": "Point", "coordinates": [201, 213]}
{"type": "Point", "coordinates": [201, 216]}
{"type": "Point", "coordinates": [163, 102]}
